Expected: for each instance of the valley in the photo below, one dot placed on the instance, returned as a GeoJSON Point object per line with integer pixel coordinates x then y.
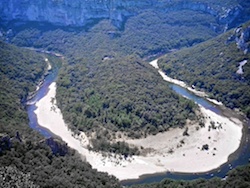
{"type": "Point", "coordinates": [162, 152]}
{"type": "Point", "coordinates": [104, 100]}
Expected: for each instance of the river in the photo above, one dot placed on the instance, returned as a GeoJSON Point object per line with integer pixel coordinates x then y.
{"type": "Point", "coordinates": [240, 157]}
{"type": "Point", "coordinates": [41, 92]}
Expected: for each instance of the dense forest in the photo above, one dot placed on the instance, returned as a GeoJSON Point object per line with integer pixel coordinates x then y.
{"type": "Point", "coordinates": [26, 161]}
{"type": "Point", "coordinates": [221, 76]}
{"type": "Point", "coordinates": [25, 158]}
{"type": "Point", "coordinates": [107, 81]}
{"type": "Point", "coordinates": [20, 73]}
{"type": "Point", "coordinates": [106, 86]}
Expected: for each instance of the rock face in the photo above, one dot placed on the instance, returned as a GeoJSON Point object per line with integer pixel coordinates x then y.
{"type": "Point", "coordinates": [242, 38]}
{"type": "Point", "coordinates": [83, 12]}
{"type": "Point", "coordinates": [57, 147]}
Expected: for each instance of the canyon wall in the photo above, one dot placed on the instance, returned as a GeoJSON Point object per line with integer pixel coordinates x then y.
{"type": "Point", "coordinates": [83, 12]}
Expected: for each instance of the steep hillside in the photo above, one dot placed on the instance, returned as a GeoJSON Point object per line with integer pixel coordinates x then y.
{"type": "Point", "coordinates": [81, 13]}
{"type": "Point", "coordinates": [106, 83]}
{"type": "Point", "coordinates": [219, 66]}
{"type": "Point", "coordinates": [107, 86]}
{"type": "Point", "coordinates": [20, 72]}
{"type": "Point", "coordinates": [25, 159]}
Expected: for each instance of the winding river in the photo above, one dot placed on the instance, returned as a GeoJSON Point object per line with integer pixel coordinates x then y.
{"type": "Point", "coordinates": [241, 157]}
{"type": "Point", "coordinates": [41, 92]}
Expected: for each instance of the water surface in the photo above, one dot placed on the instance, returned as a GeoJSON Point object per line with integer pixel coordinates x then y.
{"type": "Point", "coordinates": [241, 158]}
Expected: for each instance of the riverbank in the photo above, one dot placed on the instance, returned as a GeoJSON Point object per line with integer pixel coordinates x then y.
{"type": "Point", "coordinates": [202, 150]}
{"type": "Point", "coordinates": [49, 116]}
{"type": "Point", "coordinates": [182, 84]}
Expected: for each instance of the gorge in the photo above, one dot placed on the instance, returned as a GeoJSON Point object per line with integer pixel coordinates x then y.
{"type": "Point", "coordinates": [103, 99]}
{"type": "Point", "coordinates": [124, 169]}
{"type": "Point", "coordinates": [81, 13]}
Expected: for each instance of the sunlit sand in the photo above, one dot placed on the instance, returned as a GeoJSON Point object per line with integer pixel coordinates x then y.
{"type": "Point", "coordinates": [170, 151]}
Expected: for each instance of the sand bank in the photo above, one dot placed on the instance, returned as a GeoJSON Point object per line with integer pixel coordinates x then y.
{"type": "Point", "coordinates": [171, 151]}
{"type": "Point", "coordinates": [182, 84]}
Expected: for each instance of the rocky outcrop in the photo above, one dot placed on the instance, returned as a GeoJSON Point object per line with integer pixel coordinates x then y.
{"type": "Point", "coordinates": [57, 147]}
{"type": "Point", "coordinates": [83, 12]}
{"type": "Point", "coordinates": [242, 38]}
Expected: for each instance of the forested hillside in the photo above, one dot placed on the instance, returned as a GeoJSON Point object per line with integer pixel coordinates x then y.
{"type": "Point", "coordinates": [107, 83]}
{"type": "Point", "coordinates": [106, 87]}
{"type": "Point", "coordinates": [214, 66]}
{"type": "Point", "coordinates": [20, 73]}
{"type": "Point", "coordinates": [25, 159]}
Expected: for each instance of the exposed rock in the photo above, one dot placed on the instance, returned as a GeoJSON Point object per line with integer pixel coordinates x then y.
{"type": "Point", "coordinates": [242, 37]}
{"type": "Point", "coordinates": [83, 12]}
{"type": "Point", "coordinates": [240, 69]}
{"type": "Point", "coordinates": [57, 147]}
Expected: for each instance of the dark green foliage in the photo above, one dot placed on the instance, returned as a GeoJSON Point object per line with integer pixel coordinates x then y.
{"type": "Point", "coordinates": [126, 96]}
{"type": "Point", "coordinates": [153, 32]}
{"type": "Point", "coordinates": [11, 176]}
{"type": "Point", "coordinates": [31, 161]}
{"type": "Point", "coordinates": [211, 66]}
{"type": "Point", "coordinates": [47, 170]}
{"type": "Point", "coordinates": [107, 84]}
{"type": "Point", "coordinates": [237, 178]}
{"type": "Point", "coordinates": [20, 72]}
{"type": "Point", "coordinates": [120, 148]}
{"type": "Point", "coordinates": [150, 32]}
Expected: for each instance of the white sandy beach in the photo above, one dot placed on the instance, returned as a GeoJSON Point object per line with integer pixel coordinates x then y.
{"type": "Point", "coordinates": [187, 154]}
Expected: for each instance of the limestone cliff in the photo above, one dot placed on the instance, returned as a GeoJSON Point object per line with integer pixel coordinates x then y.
{"type": "Point", "coordinates": [83, 12]}
{"type": "Point", "coordinates": [242, 38]}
